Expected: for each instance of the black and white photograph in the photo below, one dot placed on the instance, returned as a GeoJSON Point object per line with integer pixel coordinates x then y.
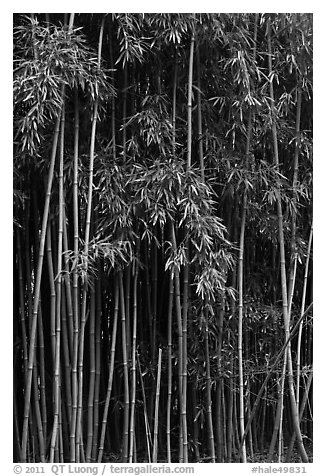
{"type": "Point", "coordinates": [162, 239]}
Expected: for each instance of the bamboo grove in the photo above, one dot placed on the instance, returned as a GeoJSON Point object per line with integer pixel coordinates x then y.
{"type": "Point", "coordinates": [162, 237]}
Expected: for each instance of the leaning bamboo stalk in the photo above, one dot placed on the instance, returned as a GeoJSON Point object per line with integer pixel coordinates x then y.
{"type": "Point", "coordinates": [111, 370]}
{"type": "Point", "coordinates": [302, 408]}
{"type": "Point", "coordinates": [28, 387]}
{"type": "Point", "coordinates": [68, 290]}
{"type": "Point", "coordinates": [125, 369]}
{"type": "Point", "coordinates": [294, 255]}
{"type": "Point", "coordinates": [66, 356]}
{"type": "Point", "coordinates": [272, 368]}
{"type": "Point", "coordinates": [157, 399]}
{"type": "Point", "coordinates": [42, 375]}
{"type": "Point", "coordinates": [57, 372]}
{"type": "Point", "coordinates": [279, 414]}
{"type": "Point", "coordinates": [52, 289]}
{"type": "Point", "coordinates": [37, 413]}
{"type": "Point", "coordinates": [147, 427]}
{"type": "Point", "coordinates": [303, 303]}
{"type": "Point", "coordinates": [294, 410]}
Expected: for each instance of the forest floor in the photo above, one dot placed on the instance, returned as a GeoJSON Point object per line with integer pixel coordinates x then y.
{"type": "Point", "coordinates": [258, 457]}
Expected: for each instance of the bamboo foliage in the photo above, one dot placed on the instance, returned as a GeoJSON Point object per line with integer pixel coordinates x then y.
{"type": "Point", "coordinates": [162, 212]}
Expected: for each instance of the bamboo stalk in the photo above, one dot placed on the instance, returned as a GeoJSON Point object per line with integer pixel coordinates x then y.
{"type": "Point", "coordinates": [37, 414]}
{"type": "Point", "coordinates": [111, 370]}
{"type": "Point", "coordinates": [200, 120]}
{"type": "Point", "coordinates": [189, 103]}
{"type": "Point", "coordinates": [97, 367]}
{"type": "Point", "coordinates": [211, 442]}
{"type": "Point", "coordinates": [28, 387]}
{"type": "Point", "coordinates": [303, 303]}
{"type": "Point", "coordinates": [42, 377]}
{"type": "Point", "coordinates": [57, 373]}
{"type": "Point", "coordinates": [132, 434]}
{"type": "Point", "coordinates": [157, 399]}
{"type": "Point", "coordinates": [125, 370]}
{"type": "Point", "coordinates": [147, 427]}
{"type": "Point", "coordinates": [86, 246]}
{"type": "Point", "coordinates": [91, 388]}
{"type": "Point", "coordinates": [294, 410]}
{"type": "Point", "coordinates": [302, 408]}
{"type": "Point", "coordinates": [180, 342]}
{"type": "Point", "coordinates": [22, 302]}
{"type": "Point", "coordinates": [75, 287]}
{"type": "Point", "coordinates": [169, 399]}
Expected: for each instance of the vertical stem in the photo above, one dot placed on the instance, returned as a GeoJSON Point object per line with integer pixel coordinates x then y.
{"type": "Point", "coordinates": [133, 369]}
{"type": "Point", "coordinates": [147, 427]}
{"type": "Point", "coordinates": [157, 399]}
{"type": "Point", "coordinates": [303, 302]}
{"type": "Point", "coordinates": [28, 387]}
{"type": "Point", "coordinates": [75, 287]}
{"type": "Point", "coordinates": [111, 370]}
{"type": "Point", "coordinates": [294, 410]}
{"type": "Point", "coordinates": [97, 367]}
{"type": "Point", "coordinates": [87, 237]}
{"type": "Point", "coordinates": [91, 390]}
{"type": "Point", "coordinates": [200, 121]}
{"type": "Point", "coordinates": [169, 400]}
{"type": "Point", "coordinates": [211, 442]}
{"type": "Point", "coordinates": [125, 370]}
{"type": "Point", "coordinates": [180, 341]}
{"type": "Point", "coordinates": [58, 295]}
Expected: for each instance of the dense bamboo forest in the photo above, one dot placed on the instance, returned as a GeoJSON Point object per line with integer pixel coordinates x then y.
{"type": "Point", "coordinates": [162, 238]}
